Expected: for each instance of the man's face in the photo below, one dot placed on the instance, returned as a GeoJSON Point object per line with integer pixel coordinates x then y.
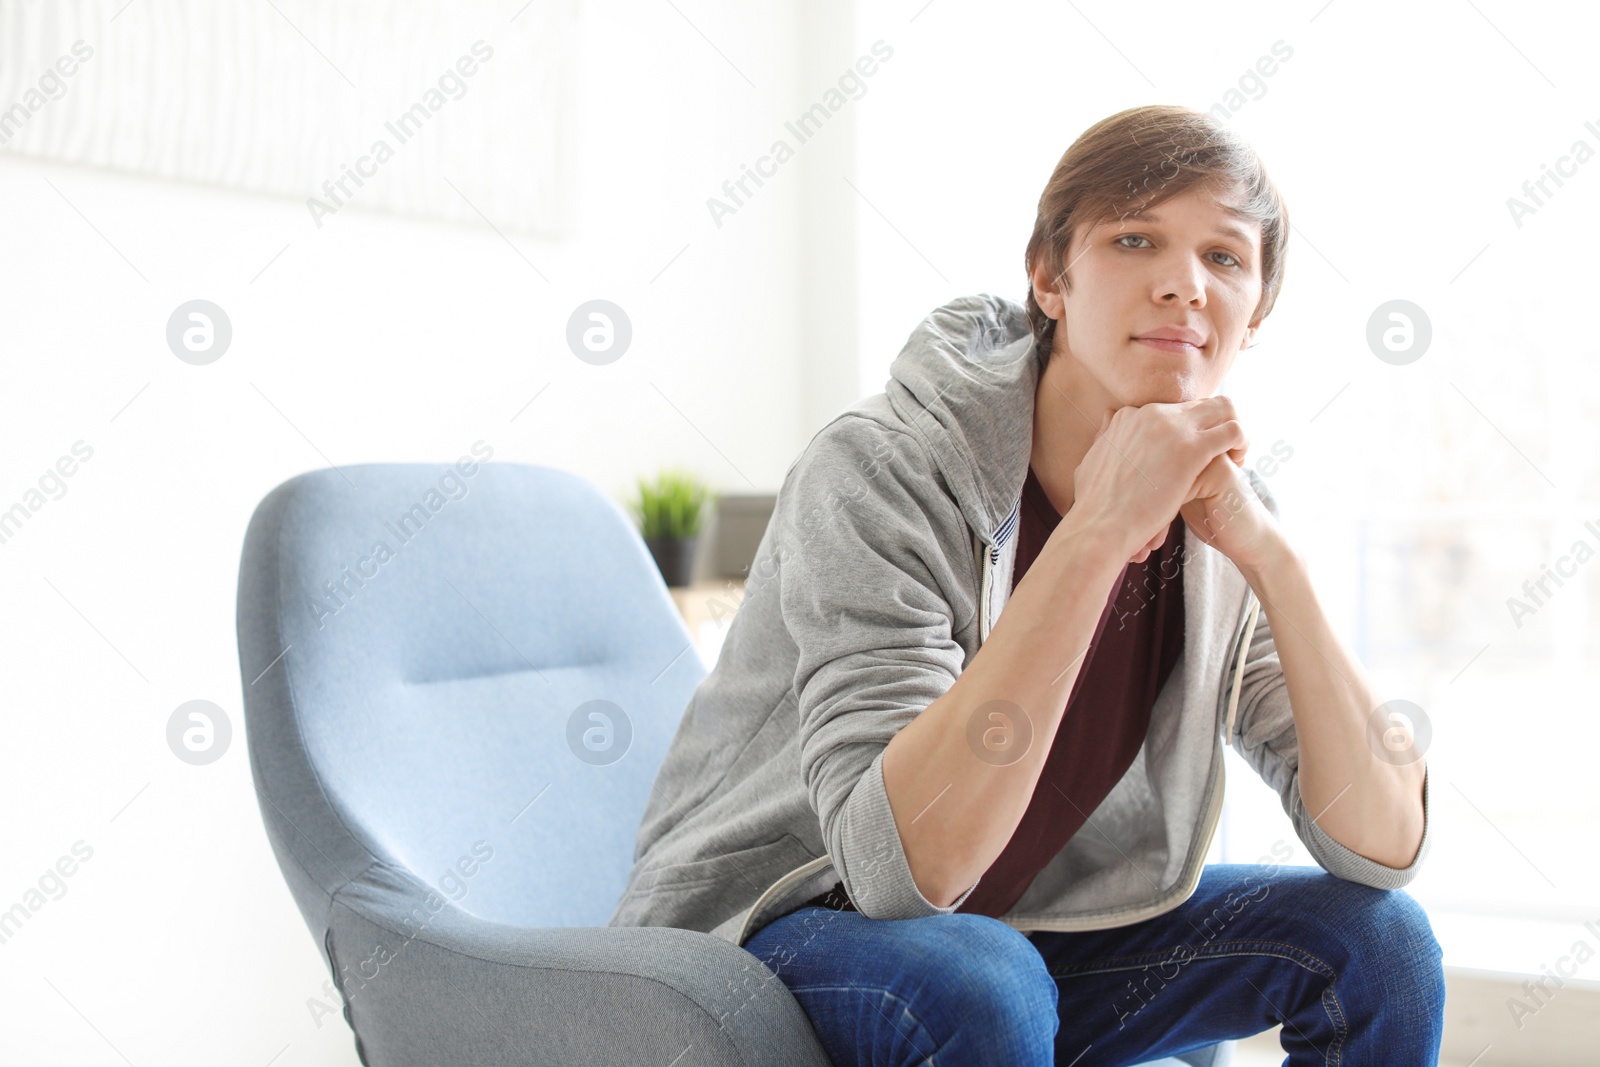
{"type": "Point", "coordinates": [1187, 263]}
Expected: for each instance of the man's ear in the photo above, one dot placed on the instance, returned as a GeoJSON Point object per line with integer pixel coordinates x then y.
{"type": "Point", "coordinates": [1250, 335]}
{"type": "Point", "coordinates": [1046, 293]}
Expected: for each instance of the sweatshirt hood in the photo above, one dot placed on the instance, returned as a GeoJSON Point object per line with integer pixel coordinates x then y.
{"type": "Point", "coordinates": [964, 384]}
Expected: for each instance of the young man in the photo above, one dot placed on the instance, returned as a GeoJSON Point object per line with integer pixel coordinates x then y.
{"type": "Point", "coordinates": [976, 837]}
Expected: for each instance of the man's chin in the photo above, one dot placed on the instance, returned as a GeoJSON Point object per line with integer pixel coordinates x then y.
{"type": "Point", "coordinates": [1168, 391]}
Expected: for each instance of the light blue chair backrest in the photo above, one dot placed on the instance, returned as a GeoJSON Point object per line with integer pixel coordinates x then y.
{"type": "Point", "coordinates": [415, 642]}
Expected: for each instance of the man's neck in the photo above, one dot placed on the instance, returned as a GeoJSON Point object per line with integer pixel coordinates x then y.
{"type": "Point", "coordinates": [1068, 410]}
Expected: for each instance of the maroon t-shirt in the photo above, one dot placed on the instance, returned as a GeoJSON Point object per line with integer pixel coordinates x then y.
{"type": "Point", "coordinates": [1133, 651]}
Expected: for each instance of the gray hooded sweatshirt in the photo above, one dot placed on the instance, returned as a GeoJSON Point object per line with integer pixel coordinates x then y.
{"type": "Point", "coordinates": [887, 560]}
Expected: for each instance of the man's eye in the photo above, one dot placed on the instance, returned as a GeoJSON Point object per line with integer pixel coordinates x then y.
{"type": "Point", "coordinates": [1231, 256]}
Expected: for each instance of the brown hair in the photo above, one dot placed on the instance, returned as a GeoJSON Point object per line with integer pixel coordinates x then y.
{"type": "Point", "coordinates": [1135, 160]}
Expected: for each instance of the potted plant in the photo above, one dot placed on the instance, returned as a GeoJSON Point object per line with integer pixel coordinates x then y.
{"type": "Point", "coordinates": [670, 511]}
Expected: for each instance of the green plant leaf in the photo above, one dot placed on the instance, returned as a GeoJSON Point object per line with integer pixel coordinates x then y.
{"type": "Point", "coordinates": [673, 505]}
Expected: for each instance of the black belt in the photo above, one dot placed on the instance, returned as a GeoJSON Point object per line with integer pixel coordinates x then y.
{"type": "Point", "coordinates": [835, 899]}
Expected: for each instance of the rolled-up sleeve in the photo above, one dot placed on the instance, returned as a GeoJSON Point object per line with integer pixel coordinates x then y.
{"type": "Point", "coordinates": [865, 583]}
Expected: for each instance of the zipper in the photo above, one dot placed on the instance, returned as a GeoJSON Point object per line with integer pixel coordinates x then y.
{"type": "Point", "coordinates": [985, 578]}
{"type": "Point", "coordinates": [1241, 654]}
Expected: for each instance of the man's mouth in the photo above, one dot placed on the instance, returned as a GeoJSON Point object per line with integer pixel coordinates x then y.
{"type": "Point", "coordinates": [1175, 337]}
{"type": "Point", "coordinates": [1182, 348]}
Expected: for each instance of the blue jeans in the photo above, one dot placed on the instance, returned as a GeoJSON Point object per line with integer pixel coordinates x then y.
{"type": "Point", "coordinates": [1353, 974]}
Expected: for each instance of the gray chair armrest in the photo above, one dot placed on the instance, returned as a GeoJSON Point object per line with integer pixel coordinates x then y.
{"type": "Point", "coordinates": [449, 987]}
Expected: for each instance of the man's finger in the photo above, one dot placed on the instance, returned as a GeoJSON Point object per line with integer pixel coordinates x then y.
{"type": "Point", "coordinates": [1214, 478]}
{"type": "Point", "coordinates": [1214, 410]}
{"type": "Point", "coordinates": [1228, 437]}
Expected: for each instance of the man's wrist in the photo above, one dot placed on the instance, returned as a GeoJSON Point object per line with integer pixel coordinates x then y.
{"type": "Point", "coordinates": [1278, 565]}
{"type": "Point", "coordinates": [1095, 542]}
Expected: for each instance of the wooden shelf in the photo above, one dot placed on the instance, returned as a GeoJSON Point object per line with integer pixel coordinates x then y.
{"type": "Point", "coordinates": [708, 608]}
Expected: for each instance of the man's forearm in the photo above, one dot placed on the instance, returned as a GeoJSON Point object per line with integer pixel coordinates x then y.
{"type": "Point", "coordinates": [955, 810]}
{"type": "Point", "coordinates": [1370, 805]}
